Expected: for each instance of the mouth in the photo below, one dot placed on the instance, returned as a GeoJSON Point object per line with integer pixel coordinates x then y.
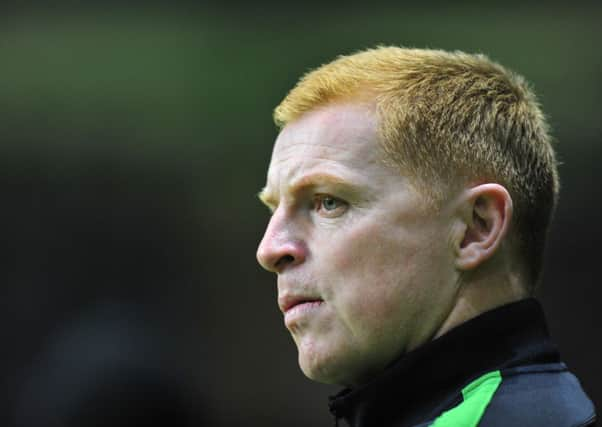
{"type": "Point", "coordinates": [298, 311]}
{"type": "Point", "coordinates": [287, 303]}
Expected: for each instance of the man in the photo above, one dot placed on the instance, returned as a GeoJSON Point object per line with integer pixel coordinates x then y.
{"type": "Point", "coordinates": [411, 192]}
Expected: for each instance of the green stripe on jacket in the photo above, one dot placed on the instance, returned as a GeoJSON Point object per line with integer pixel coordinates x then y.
{"type": "Point", "coordinates": [477, 396]}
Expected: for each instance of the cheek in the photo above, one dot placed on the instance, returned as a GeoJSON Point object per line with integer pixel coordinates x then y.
{"type": "Point", "coordinates": [384, 273]}
{"type": "Point", "coordinates": [375, 252]}
{"type": "Point", "coordinates": [376, 266]}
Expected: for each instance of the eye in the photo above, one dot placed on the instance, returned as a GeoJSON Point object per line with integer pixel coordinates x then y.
{"type": "Point", "coordinates": [329, 206]}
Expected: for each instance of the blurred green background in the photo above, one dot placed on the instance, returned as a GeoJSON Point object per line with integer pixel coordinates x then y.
{"type": "Point", "coordinates": [135, 139]}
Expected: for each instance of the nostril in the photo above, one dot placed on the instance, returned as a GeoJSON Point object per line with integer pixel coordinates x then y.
{"type": "Point", "coordinates": [283, 261]}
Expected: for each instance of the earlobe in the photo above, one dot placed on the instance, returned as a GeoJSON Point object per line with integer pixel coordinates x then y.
{"type": "Point", "coordinates": [487, 212]}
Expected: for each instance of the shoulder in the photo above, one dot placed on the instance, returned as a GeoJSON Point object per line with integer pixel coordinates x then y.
{"type": "Point", "coordinates": [539, 395]}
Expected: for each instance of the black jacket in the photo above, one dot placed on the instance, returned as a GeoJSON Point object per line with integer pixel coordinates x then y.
{"type": "Point", "coordinates": [498, 369]}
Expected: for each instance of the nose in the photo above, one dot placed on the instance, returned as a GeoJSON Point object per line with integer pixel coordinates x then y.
{"type": "Point", "coordinates": [280, 249]}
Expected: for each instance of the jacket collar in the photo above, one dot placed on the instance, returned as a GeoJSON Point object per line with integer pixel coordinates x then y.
{"type": "Point", "coordinates": [421, 380]}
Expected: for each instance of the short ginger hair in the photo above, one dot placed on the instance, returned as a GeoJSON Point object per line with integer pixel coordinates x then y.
{"type": "Point", "coordinates": [449, 117]}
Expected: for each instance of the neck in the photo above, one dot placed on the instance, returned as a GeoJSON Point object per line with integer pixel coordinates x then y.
{"type": "Point", "coordinates": [493, 285]}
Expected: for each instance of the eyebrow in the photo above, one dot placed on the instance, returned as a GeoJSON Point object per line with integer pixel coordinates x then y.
{"type": "Point", "coordinates": [307, 181]}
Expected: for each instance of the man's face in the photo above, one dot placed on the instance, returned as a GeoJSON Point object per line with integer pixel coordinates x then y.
{"type": "Point", "coordinates": [365, 270]}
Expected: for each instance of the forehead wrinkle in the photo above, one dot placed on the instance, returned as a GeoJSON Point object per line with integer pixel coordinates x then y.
{"type": "Point", "coordinates": [319, 150]}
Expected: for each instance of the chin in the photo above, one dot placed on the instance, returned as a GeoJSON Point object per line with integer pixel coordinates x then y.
{"type": "Point", "coordinates": [325, 369]}
{"type": "Point", "coordinates": [319, 375]}
{"type": "Point", "coordinates": [339, 368]}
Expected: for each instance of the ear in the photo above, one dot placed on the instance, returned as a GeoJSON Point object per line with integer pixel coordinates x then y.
{"type": "Point", "coordinates": [486, 212]}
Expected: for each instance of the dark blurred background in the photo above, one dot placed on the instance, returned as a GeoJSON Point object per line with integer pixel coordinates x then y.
{"type": "Point", "coordinates": [134, 141]}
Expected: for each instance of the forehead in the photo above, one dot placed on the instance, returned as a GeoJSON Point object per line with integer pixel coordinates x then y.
{"type": "Point", "coordinates": [332, 148]}
{"type": "Point", "coordinates": [340, 129]}
{"type": "Point", "coordinates": [339, 140]}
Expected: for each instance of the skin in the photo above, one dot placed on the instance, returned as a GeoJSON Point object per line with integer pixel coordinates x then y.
{"type": "Point", "coordinates": [367, 269]}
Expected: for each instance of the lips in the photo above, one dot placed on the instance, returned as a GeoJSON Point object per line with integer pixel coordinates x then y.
{"type": "Point", "coordinates": [287, 302]}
